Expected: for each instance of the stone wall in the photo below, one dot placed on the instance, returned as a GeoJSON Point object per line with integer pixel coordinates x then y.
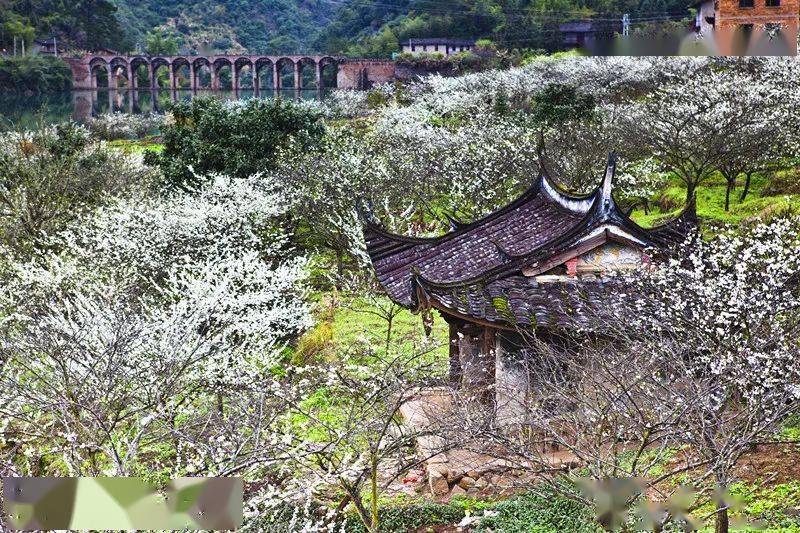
{"type": "Point", "coordinates": [363, 74]}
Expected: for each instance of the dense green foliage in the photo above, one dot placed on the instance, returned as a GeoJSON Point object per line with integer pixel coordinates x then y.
{"type": "Point", "coordinates": [81, 24]}
{"type": "Point", "coordinates": [540, 514]}
{"type": "Point", "coordinates": [266, 26]}
{"type": "Point", "coordinates": [34, 73]}
{"type": "Point", "coordinates": [209, 136]}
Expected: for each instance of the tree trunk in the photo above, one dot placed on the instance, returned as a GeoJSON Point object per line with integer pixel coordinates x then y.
{"type": "Point", "coordinates": [728, 190]}
{"type": "Point", "coordinates": [721, 524]}
{"type": "Point", "coordinates": [339, 270]}
{"type": "Point", "coordinates": [690, 188]}
{"type": "Point", "coordinates": [373, 488]}
{"type": "Point", "coordinates": [746, 189]}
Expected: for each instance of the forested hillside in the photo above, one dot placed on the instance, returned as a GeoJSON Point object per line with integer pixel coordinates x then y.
{"type": "Point", "coordinates": [375, 28]}
{"type": "Point", "coordinates": [262, 26]}
{"type": "Point", "coordinates": [354, 27]}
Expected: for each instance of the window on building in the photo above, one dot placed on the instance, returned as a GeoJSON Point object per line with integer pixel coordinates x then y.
{"type": "Point", "coordinates": [745, 3]}
{"type": "Point", "coordinates": [773, 3]}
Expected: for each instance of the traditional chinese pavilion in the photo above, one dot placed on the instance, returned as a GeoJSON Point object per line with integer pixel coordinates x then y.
{"type": "Point", "coordinates": [538, 265]}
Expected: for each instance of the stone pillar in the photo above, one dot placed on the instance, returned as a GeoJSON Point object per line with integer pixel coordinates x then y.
{"type": "Point", "coordinates": [297, 77]}
{"type": "Point", "coordinates": [192, 77]}
{"type": "Point", "coordinates": [512, 382]}
{"type": "Point", "coordinates": [254, 74]}
{"type": "Point", "coordinates": [172, 85]}
{"type": "Point", "coordinates": [234, 78]}
{"type": "Point", "coordinates": [214, 78]}
{"type": "Point", "coordinates": [477, 356]}
{"type": "Point", "coordinates": [276, 78]}
{"type": "Point", "coordinates": [318, 69]}
{"type": "Point", "coordinates": [151, 72]}
{"type": "Point", "coordinates": [93, 76]}
{"type": "Point", "coordinates": [129, 73]}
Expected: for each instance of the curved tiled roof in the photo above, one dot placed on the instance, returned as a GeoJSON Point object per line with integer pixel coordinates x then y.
{"type": "Point", "coordinates": [461, 271]}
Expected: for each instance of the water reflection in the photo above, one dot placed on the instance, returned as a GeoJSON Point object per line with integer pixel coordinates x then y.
{"type": "Point", "coordinates": [20, 111]}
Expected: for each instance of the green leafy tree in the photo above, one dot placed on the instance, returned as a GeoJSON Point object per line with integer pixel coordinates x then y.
{"type": "Point", "coordinates": [238, 140]}
{"type": "Point", "coordinates": [558, 104]}
{"type": "Point", "coordinates": [161, 43]}
{"type": "Point", "coordinates": [37, 73]}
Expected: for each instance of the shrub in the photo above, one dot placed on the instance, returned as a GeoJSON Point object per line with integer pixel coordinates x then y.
{"type": "Point", "coordinates": [404, 518]}
{"type": "Point", "coordinates": [237, 139]}
{"type": "Point", "coordinates": [540, 513]}
{"type": "Point", "coordinates": [114, 126]}
{"type": "Point", "coordinates": [34, 73]}
{"type": "Point", "coordinates": [50, 176]}
{"type": "Point", "coordinates": [786, 182]}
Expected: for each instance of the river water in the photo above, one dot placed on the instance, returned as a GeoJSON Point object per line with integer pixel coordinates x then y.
{"type": "Point", "coordinates": [19, 111]}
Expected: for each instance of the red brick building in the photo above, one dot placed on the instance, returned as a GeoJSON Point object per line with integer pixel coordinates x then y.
{"type": "Point", "coordinates": [738, 23]}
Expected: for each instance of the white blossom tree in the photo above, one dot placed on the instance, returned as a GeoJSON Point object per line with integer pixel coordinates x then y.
{"type": "Point", "coordinates": [156, 323]}
{"type": "Point", "coordinates": [706, 122]}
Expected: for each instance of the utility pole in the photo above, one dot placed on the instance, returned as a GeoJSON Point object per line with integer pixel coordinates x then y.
{"type": "Point", "coordinates": [626, 25]}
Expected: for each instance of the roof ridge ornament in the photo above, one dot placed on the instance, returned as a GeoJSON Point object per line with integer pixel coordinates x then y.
{"type": "Point", "coordinates": [608, 179]}
{"type": "Point", "coordinates": [366, 212]}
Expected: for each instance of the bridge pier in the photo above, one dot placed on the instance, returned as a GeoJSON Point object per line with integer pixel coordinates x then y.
{"type": "Point", "coordinates": [172, 86]}
{"type": "Point", "coordinates": [276, 78]}
{"type": "Point", "coordinates": [192, 77]}
{"type": "Point", "coordinates": [298, 76]}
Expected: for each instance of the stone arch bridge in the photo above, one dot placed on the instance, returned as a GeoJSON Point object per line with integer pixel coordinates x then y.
{"type": "Point", "coordinates": [124, 71]}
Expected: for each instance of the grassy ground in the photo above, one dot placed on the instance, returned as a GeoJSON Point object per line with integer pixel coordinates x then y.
{"type": "Point", "coordinates": [350, 326]}
{"type": "Point", "coordinates": [138, 145]}
{"type": "Point", "coordinates": [763, 201]}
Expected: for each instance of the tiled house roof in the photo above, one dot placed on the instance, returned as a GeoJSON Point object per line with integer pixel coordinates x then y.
{"type": "Point", "coordinates": [476, 270]}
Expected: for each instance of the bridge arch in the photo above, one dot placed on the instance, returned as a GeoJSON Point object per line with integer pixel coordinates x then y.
{"type": "Point", "coordinates": [181, 71]}
{"type": "Point", "coordinates": [239, 74]}
{"type": "Point", "coordinates": [306, 68]}
{"type": "Point", "coordinates": [136, 63]}
{"type": "Point", "coordinates": [118, 69]}
{"type": "Point", "coordinates": [285, 69]}
{"type": "Point", "coordinates": [98, 66]}
{"type": "Point", "coordinates": [156, 64]}
{"type": "Point", "coordinates": [328, 70]}
{"type": "Point", "coordinates": [265, 65]}
{"type": "Point", "coordinates": [217, 70]}
{"type": "Point", "coordinates": [202, 72]}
